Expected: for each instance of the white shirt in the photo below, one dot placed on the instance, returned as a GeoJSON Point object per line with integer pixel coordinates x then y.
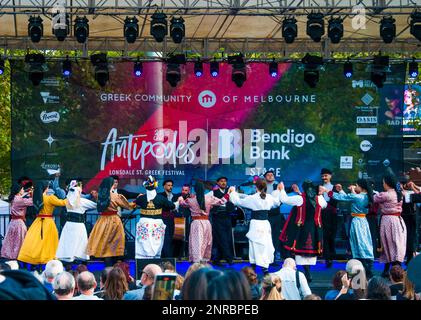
{"type": "Point", "coordinates": [298, 200]}
{"type": "Point", "coordinates": [329, 187]}
{"type": "Point", "coordinates": [270, 186]}
{"type": "Point", "coordinates": [85, 204]}
{"type": "Point", "coordinates": [289, 286]}
{"type": "Point", "coordinates": [255, 202]}
{"type": "Point", "coordinates": [211, 194]}
{"type": "Point", "coordinates": [86, 297]}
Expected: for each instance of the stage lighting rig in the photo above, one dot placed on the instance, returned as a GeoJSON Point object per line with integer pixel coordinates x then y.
{"type": "Point", "coordinates": [67, 67]}
{"type": "Point", "coordinates": [413, 69]}
{"type": "Point", "coordinates": [379, 70]}
{"type": "Point", "coordinates": [177, 29]}
{"type": "Point", "coordinates": [315, 26]}
{"type": "Point", "coordinates": [159, 26]}
{"type": "Point", "coordinates": [273, 69]}
{"type": "Point", "coordinates": [138, 68]}
{"type": "Point", "coordinates": [388, 29]}
{"type": "Point", "coordinates": [214, 68]}
{"type": "Point", "coordinates": [335, 30]}
{"type": "Point", "coordinates": [81, 29]}
{"type": "Point", "coordinates": [239, 74]}
{"type": "Point", "coordinates": [348, 69]}
{"type": "Point", "coordinates": [35, 66]}
{"type": "Point", "coordinates": [1, 66]}
{"type": "Point", "coordinates": [131, 29]}
{"type": "Point", "coordinates": [198, 68]}
{"type": "Point", "coordinates": [62, 28]}
{"type": "Point", "coordinates": [35, 29]}
{"type": "Point", "coordinates": [415, 24]}
{"type": "Point", "coordinates": [173, 73]}
{"type": "Point", "coordinates": [312, 65]}
{"type": "Point", "coordinates": [289, 30]}
{"type": "Point", "coordinates": [99, 61]}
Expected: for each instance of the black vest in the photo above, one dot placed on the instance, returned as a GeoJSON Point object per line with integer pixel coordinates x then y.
{"type": "Point", "coordinates": [229, 206]}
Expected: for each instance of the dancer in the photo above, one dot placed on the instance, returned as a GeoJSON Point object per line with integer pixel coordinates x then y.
{"type": "Point", "coordinates": [150, 230]}
{"type": "Point", "coordinates": [41, 241]}
{"type": "Point", "coordinates": [16, 231]}
{"type": "Point", "coordinates": [361, 197]}
{"type": "Point", "coordinates": [392, 226]}
{"type": "Point", "coordinates": [200, 239]}
{"type": "Point", "coordinates": [168, 219]}
{"type": "Point", "coordinates": [107, 237]}
{"type": "Point", "coordinates": [330, 219]}
{"type": "Point", "coordinates": [261, 249]}
{"type": "Point", "coordinates": [303, 233]}
{"type": "Point", "coordinates": [74, 239]}
{"type": "Point", "coordinates": [221, 223]}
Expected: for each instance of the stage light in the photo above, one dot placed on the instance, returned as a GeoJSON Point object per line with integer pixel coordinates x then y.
{"type": "Point", "coordinates": [100, 62]}
{"type": "Point", "coordinates": [214, 68]}
{"type": "Point", "coordinates": [62, 28]}
{"type": "Point", "coordinates": [273, 69]}
{"type": "Point", "coordinates": [413, 69]}
{"type": "Point", "coordinates": [35, 28]}
{"type": "Point", "coordinates": [239, 74]}
{"type": "Point", "coordinates": [198, 68]}
{"type": "Point", "coordinates": [177, 29]}
{"type": "Point", "coordinates": [131, 29]}
{"type": "Point", "coordinates": [138, 68]}
{"type": "Point", "coordinates": [311, 69]}
{"type": "Point", "coordinates": [35, 66]}
{"type": "Point", "coordinates": [415, 24]}
{"type": "Point", "coordinates": [315, 26]}
{"type": "Point", "coordinates": [387, 29]}
{"type": "Point", "coordinates": [289, 30]}
{"type": "Point", "coordinates": [348, 69]}
{"type": "Point", "coordinates": [173, 74]}
{"type": "Point", "coordinates": [378, 70]}
{"type": "Point", "coordinates": [67, 67]}
{"type": "Point", "coordinates": [159, 26]}
{"type": "Point", "coordinates": [335, 30]}
{"type": "Point", "coordinates": [81, 29]}
{"type": "Point", "coordinates": [1, 66]}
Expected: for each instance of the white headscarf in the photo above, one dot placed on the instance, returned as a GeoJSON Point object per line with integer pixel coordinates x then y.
{"type": "Point", "coordinates": [73, 197]}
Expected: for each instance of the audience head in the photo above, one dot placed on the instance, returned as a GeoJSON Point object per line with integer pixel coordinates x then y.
{"type": "Point", "coordinates": [378, 289]}
{"type": "Point", "coordinates": [251, 275]}
{"type": "Point", "coordinates": [168, 267]}
{"type": "Point", "coordinates": [52, 269]}
{"type": "Point", "coordinates": [289, 263]}
{"type": "Point", "coordinates": [196, 266]}
{"type": "Point", "coordinates": [272, 287]}
{"type": "Point", "coordinates": [64, 286]}
{"type": "Point", "coordinates": [179, 282]}
{"type": "Point", "coordinates": [231, 285]}
{"type": "Point", "coordinates": [408, 288]}
{"type": "Point", "coordinates": [148, 274]}
{"type": "Point", "coordinates": [124, 266]}
{"type": "Point", "coordinates": [86, 283]}
{"type": "Point", "coordinates": [116, 284]}
{"type": "Point", "coordinates": [196, 284]}
{"type": "Point", "coordinates": [337, 279]}
{"type": "Point", "coordinates": [104, 276]}
{"type": "Point", "coordinates": [312, 297]}
{"type": "Point", "coordinates": [396, 274]}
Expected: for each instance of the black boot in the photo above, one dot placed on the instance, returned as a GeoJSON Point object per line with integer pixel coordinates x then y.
{"type": "Point", "coordinates": [307, 273]}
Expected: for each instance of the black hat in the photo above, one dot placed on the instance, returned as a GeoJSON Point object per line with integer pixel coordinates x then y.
{"type": "Point", "coordinates": [325, 171]}
{"type": "Point", "coordinates": [217, 180]}
{"type": "Point", "coordinates": [269, 171]}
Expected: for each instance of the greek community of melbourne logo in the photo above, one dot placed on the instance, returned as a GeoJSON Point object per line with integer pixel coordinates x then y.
{"type": "Point", "coordinates": [207, 99]}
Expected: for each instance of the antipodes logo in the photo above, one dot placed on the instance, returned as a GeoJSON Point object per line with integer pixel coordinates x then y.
{"type": "Point", "coordinates": [48, 98]}
{"type": "Point", "coordinates": [207, 99]}
{"type": "Point", "coordinates": [48, 117]}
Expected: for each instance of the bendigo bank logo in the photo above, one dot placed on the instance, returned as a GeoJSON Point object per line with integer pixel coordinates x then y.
{"type": "Point", "coordinates": [207, 99]}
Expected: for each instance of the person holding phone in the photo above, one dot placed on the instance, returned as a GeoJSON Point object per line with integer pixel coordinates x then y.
{"type": "Point", "coordinates": [164, 286]}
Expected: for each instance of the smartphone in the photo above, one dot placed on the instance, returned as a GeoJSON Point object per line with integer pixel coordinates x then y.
{"type": "Point", "coordinates": [164, 286]}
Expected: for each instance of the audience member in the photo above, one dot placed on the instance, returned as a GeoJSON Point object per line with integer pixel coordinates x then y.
{"type": "Point", "coordinates": [102, 280]}
{"type": "Point", "coordinates": [255, 287]}
{"type": "Point", "coordinates": [52, 269]}
{"type": "Point", "coordinates": [116, 285]}
{"type": "Point", "coordinates": [230, 285]}
{"type": "Point", "coordinates": [396, 278]}
{"type": "Point", "coordinates": [354, 282]}
{"type": "Point", "coordinates": [408, 291]}
{"type": "Point", "coordinates": [86, 283]}
{"type": "Point", "coordinates": [147, 279]}
{"type": "Point", "coordinates": [124, 266]}
{"type": "Point", "coordinates": [378, 289]}
{"type": "Point", "coordinates": [337, 285]}
{"type": "Point", "coordinates": [64, 286]}
{"type": "Point", "coordinates": [271, 288]}
{"type": "Point", "coordinates": [195, 266]}
{"type": "Point", "coordinates": [294, 282]}
{"type": "Point", "coordinates": [312, 297]}
{"type": "Point", "coordinates": [195, 286]}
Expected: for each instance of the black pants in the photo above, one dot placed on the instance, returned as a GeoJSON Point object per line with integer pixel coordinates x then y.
{"type": "Point", "coordinates": [411, 235]}
{"type": "Point", "coordinates": [276, 224]}
{"type": "Point", "coordinates": [222, 236]}
{"type": "Point", "coordinates": [330, 226]}
{"type": "Point", "coordinates": [374, 231]}
{"type": "Point", "coordinates": [168, 247]}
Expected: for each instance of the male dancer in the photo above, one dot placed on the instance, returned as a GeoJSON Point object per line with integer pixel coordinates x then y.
{"type": "Point", "coordinates": [329, 218]}
{"type": "Point", "coordinates": [221, 223]}
{"type": "Point", "coordinates": [168, 218]}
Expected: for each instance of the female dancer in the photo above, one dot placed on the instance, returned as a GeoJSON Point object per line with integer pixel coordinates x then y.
{"type": "Point", "coordinates": [16, 232]}
{"type": "Point", "coordinates": [107, 237]}
{"type": "Point", "coordinates": [261, 249]}
{"type": "Point", "coordinates": [361, 197]}
{"type": "Point", "coordinates": [74, 239]}
{"type": "Point", "coordinates": [200, 239]}
{"type": "Point", "coordinates": [41, 241]}
{"type": "Point", "coordinates": [392, 226]}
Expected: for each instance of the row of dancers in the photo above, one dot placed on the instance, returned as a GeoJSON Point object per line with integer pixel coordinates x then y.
{"type": "Point", "coordinates": [305, 234]}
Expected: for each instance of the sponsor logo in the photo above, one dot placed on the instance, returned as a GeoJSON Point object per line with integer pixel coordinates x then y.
{"type": "Point", "coordinates": [365, 145]}
{"type": "Point", "coordinates": [362, 84]}
{"type": "Point", "coordinates": [373, 162]}
{"type": "Point", "coordinates": [52, 166]}
{"type": "Point", "coordinates": [207, 99]}
{"type": "Point", "coordinates": [367, 99]}
{"type": "Point", "coordinates": [48, 98]}
{"type": "Point", "coordinates": [50, 140]}
{"type": "Point", "coordinates": [372, 119]}
{"type": "Point", "coordinates": [50, 82]}
{"type": "Point", "coordinates": [366, 131]}
{"type": "Point", "coordinates": [386, 162]}
{"type": "Point", "coordinates": [346, 162]}
{"type": "Point", "coordinates": [48, 117]}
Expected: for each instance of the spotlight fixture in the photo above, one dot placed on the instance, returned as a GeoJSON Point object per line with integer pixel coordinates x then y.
{"type": "Point", "coordinates": [388, 29]}
{"type": "Point", "coordinates": [62, 28]}
{"type": "Point", "coordinates": [131, 29]}
{"type": "Point", "coordinates": [289, 30]}
{"type": "Point", "coordinates": [100, 62]}
{"type": "Point", "coordinates": [335, 30]}
{"type": "Point", "coordinates": [173, 74]}
{"type": "Point", "coordinates": [273, 69]}
{"type": "Point", "coordinates": [379, 69]}
{"type": "Point", "coordinates": [214, 68]}
{"type": "Point", "coordinates": [198, 68]}
{"type": "Point", "coordinates": [35, 28]}
{"type": "Point", "coordinates": [1, 66]}
{"type": "Point", "coordinates": [315, 26]}
{"type": "Point", "coordinates": [415, 24]}
{"type": "Point", "coordinates": [348, 69]}
{"type": "Point", "coordinates": [413, 69]}
{"type": "Point", "coordinates": [67, 67]}
{"type": "Point", "coordinates": [177, 29]}
{"type": "Point", "coordinates": [159, 26]}
{"type": "Point", "coordinates": [81, 29]}
{"type": "Point", "coordinates": [138, 68]}
{"type": "Point", "coordinates": [312, 65]}
{"type": "Point", "coordinates": [35, 65]}
{"type": "Point", "coordinates": [239, 74]}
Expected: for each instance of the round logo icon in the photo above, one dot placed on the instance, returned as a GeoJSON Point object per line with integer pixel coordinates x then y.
{"type": "Point", "coordinates": [207, 99]}
{"type": "Point", "coordinates": [365, 145]}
